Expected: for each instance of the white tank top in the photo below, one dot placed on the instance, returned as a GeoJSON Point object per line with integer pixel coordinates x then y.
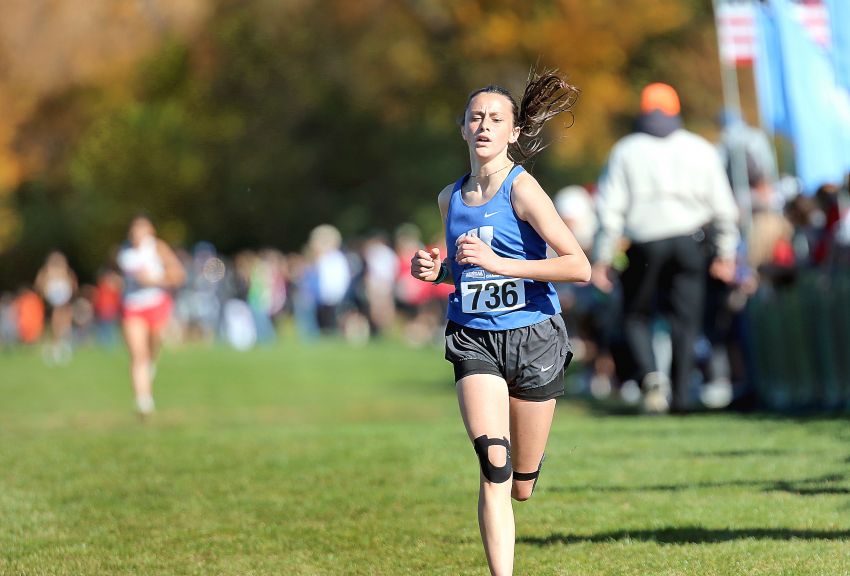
{"type": "Point", "coordinates": [58, 291]}
{"type": "Point", "coordinates": [137, 260]}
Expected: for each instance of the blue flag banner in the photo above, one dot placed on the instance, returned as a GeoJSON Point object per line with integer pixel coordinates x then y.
{"type": "Point", "coordinates": [839, 17]}
{"type": "Point", "coordinates": [799, 86]}
{"type": "Point", "coordinates": [767, 68]}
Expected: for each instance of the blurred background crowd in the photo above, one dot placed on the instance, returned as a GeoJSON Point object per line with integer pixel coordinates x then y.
{"type": "Point", "coordinates": [360, 288]}
{"type": "Point", "coordinates": [241, 127]}
{"type": "Point", "coordinates": [356, 289]}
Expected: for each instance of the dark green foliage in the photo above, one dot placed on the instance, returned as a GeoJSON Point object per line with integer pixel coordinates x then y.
{"type": "Point", "coordinates": [276, 117]}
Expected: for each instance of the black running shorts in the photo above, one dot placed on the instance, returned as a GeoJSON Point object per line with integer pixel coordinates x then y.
{"type": "Point", "coordinates": [531, 359]}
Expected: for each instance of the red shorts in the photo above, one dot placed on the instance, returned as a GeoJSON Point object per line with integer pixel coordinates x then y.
{"type": "Point", "coordinates": [155, 316]}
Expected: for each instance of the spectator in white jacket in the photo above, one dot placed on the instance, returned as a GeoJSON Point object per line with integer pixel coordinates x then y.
{"type": "Point", "coordinates": [665, 190]}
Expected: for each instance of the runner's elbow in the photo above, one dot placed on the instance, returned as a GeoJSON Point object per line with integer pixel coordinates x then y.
{"type": "Point", "coordinates": [579, 271]}
{"type": "Point", "coordinates": [584, 275]}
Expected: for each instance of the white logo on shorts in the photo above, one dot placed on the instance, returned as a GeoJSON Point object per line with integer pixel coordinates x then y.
{"type": "Point", "coordinates": [547, 368]}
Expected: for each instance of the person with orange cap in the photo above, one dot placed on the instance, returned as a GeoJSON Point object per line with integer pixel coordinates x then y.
{"type": "Point", "coordinates": [663, 189]}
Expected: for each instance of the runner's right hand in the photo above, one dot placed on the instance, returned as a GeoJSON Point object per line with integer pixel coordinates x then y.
{"type": "Point", "coordinates": [425, 265]}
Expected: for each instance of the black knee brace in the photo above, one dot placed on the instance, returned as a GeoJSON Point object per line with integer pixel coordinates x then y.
{"type": "Point", "coordinates": [495, 474]}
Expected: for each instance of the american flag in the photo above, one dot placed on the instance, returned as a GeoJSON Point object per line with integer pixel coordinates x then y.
{"type": "Point", "coordinates": [814, 16]}
{"type": "Point", "coordinates": [736, 31]}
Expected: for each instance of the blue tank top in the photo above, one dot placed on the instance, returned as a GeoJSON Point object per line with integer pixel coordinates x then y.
{"type": "Point", "coordinates": [490, 301]}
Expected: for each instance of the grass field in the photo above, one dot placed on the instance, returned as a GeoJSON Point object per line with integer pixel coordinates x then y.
{"type": "Point", "coordinates": [328, 459]}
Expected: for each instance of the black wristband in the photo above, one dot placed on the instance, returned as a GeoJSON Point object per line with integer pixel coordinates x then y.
{"type": "Point", "coordinates": [444, 271]}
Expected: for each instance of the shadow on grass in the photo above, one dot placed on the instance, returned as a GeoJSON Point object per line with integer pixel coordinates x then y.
{"type": "Point", "coordinates": [604, 407]}
{"type": "Point", "coordinates": [802, 487]}
{"type": "Point", "coordinates": [739, 453]}
{"type": "Point", "coordinates": [687, 535]}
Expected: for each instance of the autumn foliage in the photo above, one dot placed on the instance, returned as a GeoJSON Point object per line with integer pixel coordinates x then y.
{"type": "Point", "coordinates": [248, 122]}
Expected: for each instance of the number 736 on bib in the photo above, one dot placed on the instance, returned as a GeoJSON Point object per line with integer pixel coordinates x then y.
{"type": "Point", "coordinates": [492, 295]}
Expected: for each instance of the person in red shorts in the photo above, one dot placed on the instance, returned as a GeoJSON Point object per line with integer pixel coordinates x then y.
{"type": "Point", "coordinates": [151, 270]}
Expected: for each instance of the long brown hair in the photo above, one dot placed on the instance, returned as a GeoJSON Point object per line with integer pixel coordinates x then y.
{"type": "Point", "coordinates": [545, 96]}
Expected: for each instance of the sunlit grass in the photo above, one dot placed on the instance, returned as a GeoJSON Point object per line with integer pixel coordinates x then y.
{"type": "Point", "coordinates": [331, 459]}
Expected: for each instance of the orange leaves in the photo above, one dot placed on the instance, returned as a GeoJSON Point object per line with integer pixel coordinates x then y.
{"type": "Point", "coordinates": [51, 46]}
{"type": "Point", "coordinates": [495, 34]}
{"type": "Point", "coordinates": [341, 84]}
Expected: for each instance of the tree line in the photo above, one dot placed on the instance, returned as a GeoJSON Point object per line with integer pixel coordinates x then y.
{"type": "Point", "coordinates": [273, 117]}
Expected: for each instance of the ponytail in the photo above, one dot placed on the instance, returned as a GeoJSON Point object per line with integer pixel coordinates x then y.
{"type": "Point", "coordinates": [545, 96]}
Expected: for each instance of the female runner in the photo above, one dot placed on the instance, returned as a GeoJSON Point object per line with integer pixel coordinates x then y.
{"type": "Point", "coordinates": [150, 270]}
{"type": "Point", "coordinates": [505, 336]}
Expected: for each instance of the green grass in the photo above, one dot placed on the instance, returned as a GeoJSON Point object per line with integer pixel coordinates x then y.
{"type": "Point", "coordinates": [300, 460]}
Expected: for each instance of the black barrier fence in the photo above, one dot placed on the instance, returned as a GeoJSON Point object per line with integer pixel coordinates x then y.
{"type": "Point", "coordinates": [799, 336]}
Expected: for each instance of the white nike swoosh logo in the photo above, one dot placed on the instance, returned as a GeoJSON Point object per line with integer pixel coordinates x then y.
{"type": "Point", "coordinates": [547, 368]}
{"type": "Point", "coordinates": [488, 214]}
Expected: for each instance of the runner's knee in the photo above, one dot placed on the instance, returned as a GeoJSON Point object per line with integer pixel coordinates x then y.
{"type": "Point", "coordinates": [522, 490]}
{"type": "Point", "coordinates": [495, 470]}
{"type": "Point", "coordinates": [525, 482]}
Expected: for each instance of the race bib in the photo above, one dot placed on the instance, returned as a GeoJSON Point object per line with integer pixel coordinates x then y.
{"type": "Point", "coordinates": [481, 291]}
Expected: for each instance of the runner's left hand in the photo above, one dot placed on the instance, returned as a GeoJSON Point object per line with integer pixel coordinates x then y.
{"type": "Point", "coordinates": [472, 250]}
